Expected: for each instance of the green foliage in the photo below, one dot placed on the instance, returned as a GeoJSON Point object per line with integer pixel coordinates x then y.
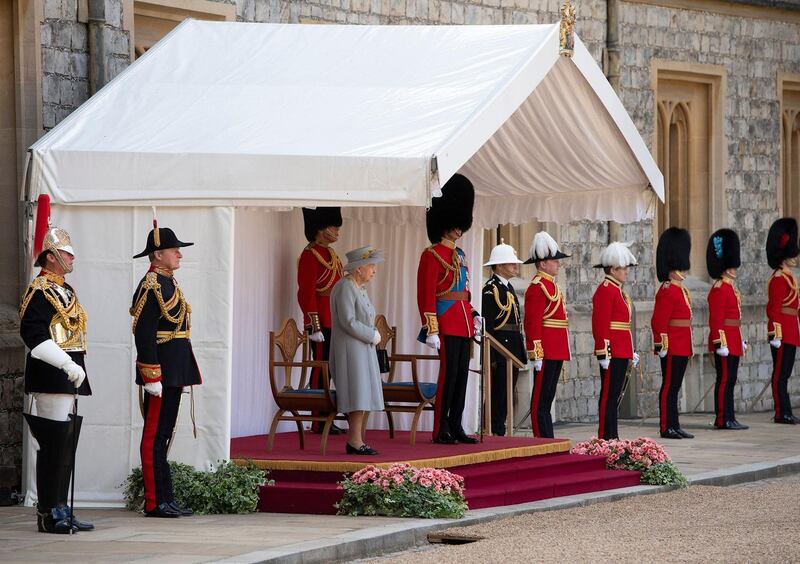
{"type": "Point", "coordinates": [664, 474]}
{"type": "Point", "coordinates": [228, 488]}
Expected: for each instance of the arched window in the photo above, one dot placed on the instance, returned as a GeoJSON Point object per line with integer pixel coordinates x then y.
{"type": "Point", "coordinates": [790, 147]}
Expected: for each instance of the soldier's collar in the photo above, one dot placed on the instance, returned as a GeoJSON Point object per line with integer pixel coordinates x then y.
{"type": "Point", "coordinates": [614, 281]}
{"type": "Point", "coordinates": [502, 280]}
{"type": "Point", "coordinates": [321, 243]}
{"type": "Point", "coordinates": [162, 271]}
{"type": "Point", "coordinates": [52, 277]}
{"type": "Point", "coordinates": [448, 243]}
{"type": "Point", "coordinates": [542, 274]}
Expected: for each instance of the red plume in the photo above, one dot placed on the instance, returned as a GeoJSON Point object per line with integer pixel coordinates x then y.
{"type": "Point", "coordinates": [783, 241]}
{"type": "Point", "coordinates": [42, 224]}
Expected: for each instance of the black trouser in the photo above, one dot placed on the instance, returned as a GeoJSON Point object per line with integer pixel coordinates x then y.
{"type": "Point", "coordinates": [160, 415]}
{"type": "Point", "coordinates": [673, 369]}
{"type": "Point", "coordinates": [611, 381]}
{"type": "Point", "coordinates": [782, 365]}
{"type": "Point", "coordinates": [544, 392]}
{"type": "Point", "coordinates": [319, 351]}
{"type": "Point", "coordinates": [727, 370]}
{"type": "Point", "coordinates": [451, 388]}
{"type": "Point", "coordinates": [499, 392]}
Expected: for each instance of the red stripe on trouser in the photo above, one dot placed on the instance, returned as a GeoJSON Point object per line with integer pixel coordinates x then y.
{"type": "Point", "coordinates": [437, 407]}
{"type": "Point", "coordinates": [776, 375]}
{"type": "Point", "coordinates": [665, 394]}
{"type": "Point", "coordinates": [146, 451]}
{"type": "Point", "coordinates": [720, 420]}
{"type": "Point", "coordinates": [537, 395]}
{"type": "Point", "coordinates": [604, 401]}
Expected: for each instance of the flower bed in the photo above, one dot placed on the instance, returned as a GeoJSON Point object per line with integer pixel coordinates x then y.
{"type": "Point", "coordinates": [403, 491]}
{"type": "Point", "coordinates": [642, 454]}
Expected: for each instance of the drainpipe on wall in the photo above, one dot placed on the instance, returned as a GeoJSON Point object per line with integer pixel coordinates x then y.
{"type": "Point", "coordinates": [98, 72]}
{"type": "Point", "coordinates": [611, 70]}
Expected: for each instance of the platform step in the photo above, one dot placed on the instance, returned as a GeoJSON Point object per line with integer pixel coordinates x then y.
{"type": "Point", "coordinates": [491, 473]}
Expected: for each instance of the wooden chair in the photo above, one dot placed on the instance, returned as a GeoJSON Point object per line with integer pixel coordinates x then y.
{"type": "Point", "coordinates": [404, 396]}
{"type": "Point", "coordinates": [283, 347]}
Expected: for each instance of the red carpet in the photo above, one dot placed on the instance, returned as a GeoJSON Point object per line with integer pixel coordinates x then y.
{"type": "Point", "coordinates": [500, 471]}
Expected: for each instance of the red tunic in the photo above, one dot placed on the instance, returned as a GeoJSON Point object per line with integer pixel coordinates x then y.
{"type": "Point", "coordinates": [318, 270]}
{"type": "Point", "coordinates": [443, 296]}
{"type": "Point", "coordinates": [546, 333]}
{"type": "Point", "coordinates": [611, 320]}
{"type": "Point", "coordinates": [672, 319]}
{"type": "Point", "coordinates": [783, 296]}
{"type": "Point", "coordinates": [725, 317]}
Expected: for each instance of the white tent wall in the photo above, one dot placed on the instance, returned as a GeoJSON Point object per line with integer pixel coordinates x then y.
{"type": "Point", "coordinates": [268, 244]}
{"type": "Point", "coordinates": [105, 278]}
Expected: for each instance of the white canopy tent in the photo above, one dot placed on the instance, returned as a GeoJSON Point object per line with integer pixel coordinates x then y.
{"type": "Point", "coordinates": [220, 119]}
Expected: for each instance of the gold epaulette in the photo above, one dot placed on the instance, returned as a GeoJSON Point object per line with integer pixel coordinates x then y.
{"type": "Point", "coordinates": [38, 283]}
{"type": "Point", "coordinates": [69, 325]}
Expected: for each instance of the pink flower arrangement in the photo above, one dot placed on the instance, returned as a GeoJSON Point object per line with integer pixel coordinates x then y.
{"type": "Point", "coordinates": [638, 454]}
{"type": "Point", "coordinates": [398, 474]}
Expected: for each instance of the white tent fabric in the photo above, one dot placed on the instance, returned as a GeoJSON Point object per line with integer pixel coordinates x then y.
{"type": "Point", "coordinates": [239, 114]}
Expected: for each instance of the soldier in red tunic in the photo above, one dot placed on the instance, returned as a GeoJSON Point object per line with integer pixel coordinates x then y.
{"type": "Point", "coordinates": [783, 328]}
{"type": "Point", "coordinates": [672, 326]}
{"type": "Point", "coordinates": [448, 320]}
{"type": "Point", "coordinates": [318, 271]}
{"type": "Point", "coordinates": [546, 333]}
{"type": "Point", "coordinates": [724, 322]}
{"type": "Point", "coordinates": [611, 327]}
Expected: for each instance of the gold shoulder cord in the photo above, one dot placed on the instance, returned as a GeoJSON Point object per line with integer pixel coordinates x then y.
{"type": "Point", "coordinates": [687, 297]}
{"type": "Point", "coordinates": [184, 313]}
{"type": "Point", "coordinates": [454, 266]}
{"type": "Point", "coordinates": [73, 317]}
{"type": "Point", "coordinates": [506, 308]}
{"type": "Point", "coordinates": [555, 299]}
{"type": "Point", "coordinates": [334, 266]}
{"type": "Point", "coordinates": [792, 282]}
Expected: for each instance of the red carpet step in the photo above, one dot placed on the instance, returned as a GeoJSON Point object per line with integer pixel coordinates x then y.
{"type": "Point", "coordinates": [500, 471]}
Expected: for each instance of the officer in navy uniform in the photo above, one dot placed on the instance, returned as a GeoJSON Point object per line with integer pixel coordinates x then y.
{"type": "Point", "coordinates": [500, 309]}
{"type": "Point", "coordinates": [53, 327]}
{"type": "Point", "coordinates": [165, 364]}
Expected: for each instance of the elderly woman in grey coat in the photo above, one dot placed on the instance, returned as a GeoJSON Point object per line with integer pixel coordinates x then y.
{"type": "Point", "coordinates": [353, 361]}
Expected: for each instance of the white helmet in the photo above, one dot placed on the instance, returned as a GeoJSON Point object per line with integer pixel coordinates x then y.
{"type": "Point", "coordinates": [503, 254]}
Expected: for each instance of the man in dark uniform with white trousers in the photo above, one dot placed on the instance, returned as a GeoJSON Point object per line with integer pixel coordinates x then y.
{"type": "Point", "coordinates": [165, 364]}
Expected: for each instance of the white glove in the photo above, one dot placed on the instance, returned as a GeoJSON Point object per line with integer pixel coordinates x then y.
{"type": "Point", "coordinates": [605, 363]}
{"type": "Point", "coordinates": [153, 388]}
{"type": "Point", "coordinates": [477, 323]}
{"type": "Point", "coordinates": [635, 361]}
{"type": "Point", "coordinates": [376, 338]}
{"type": "Point", "coordinates": [49, 352]}
{"type": "Point", "coordinates": [662, 354]}
{"type": "Point", "coordinates": [744, 346]}
{"type": "Point", "coordinates": [775, 343]}
{"type": "Point", "coordinates": [537, 365]}
{"type": "Point", "coordinates": [433, 342]}
{"type": "Point", "coordinates": [317, 337]}
{"type": "Point", "coordinates": [75, 373]}
{"type": "Point", "coordinates": [723, 351]}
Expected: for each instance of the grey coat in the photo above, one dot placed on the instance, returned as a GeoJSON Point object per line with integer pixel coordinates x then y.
{"type": "Point", "coordinates": [353, 362]}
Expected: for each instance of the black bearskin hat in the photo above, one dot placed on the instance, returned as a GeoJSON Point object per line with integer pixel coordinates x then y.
{"type": "Point", "coordinates": [320, 218]}
{"type": "Point", "coordinates": [722, 252]}
{"type": "Point", "coordinates": [451, 210]}
{"type": "Point", "coordinates": [782, 241]}
{"type": "Point", "coordinates": [672, 252]}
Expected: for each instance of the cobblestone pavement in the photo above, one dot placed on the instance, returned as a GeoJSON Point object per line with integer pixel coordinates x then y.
{"type": "Point", "coordinates": [752, 522]}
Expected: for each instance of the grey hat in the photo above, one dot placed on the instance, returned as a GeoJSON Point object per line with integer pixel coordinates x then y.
{"type": "Point", "coordinates": [363, 256]}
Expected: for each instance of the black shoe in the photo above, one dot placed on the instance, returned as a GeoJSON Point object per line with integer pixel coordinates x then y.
{"type": "Point", "coordinates": [739, 426]}
{"type": "Point", "coordinates": [684, 434]}
{"type": "Point", "coordinates": [785, 419]}
{"type": "Point", "coordinates": [184, 511]}
{"type": "Point", "coordinates": [796, 419]}
{"type": "Point", "coordinates": [334, 430]}
{"type": "Point", "coordinates": [164, 510]}
{"type": "Point", "coordinates": [48, 523]}
{"type": "Point", "coordinates": [445, 439]}
{"type": "Point", "coordinates": [362, 450]}
{"type": "Point", "coordinates": [64, 511]}
{"type": "Point", "coordinates": [466, 439]}
{"type": "Point", "coordinates": [671, 434]}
